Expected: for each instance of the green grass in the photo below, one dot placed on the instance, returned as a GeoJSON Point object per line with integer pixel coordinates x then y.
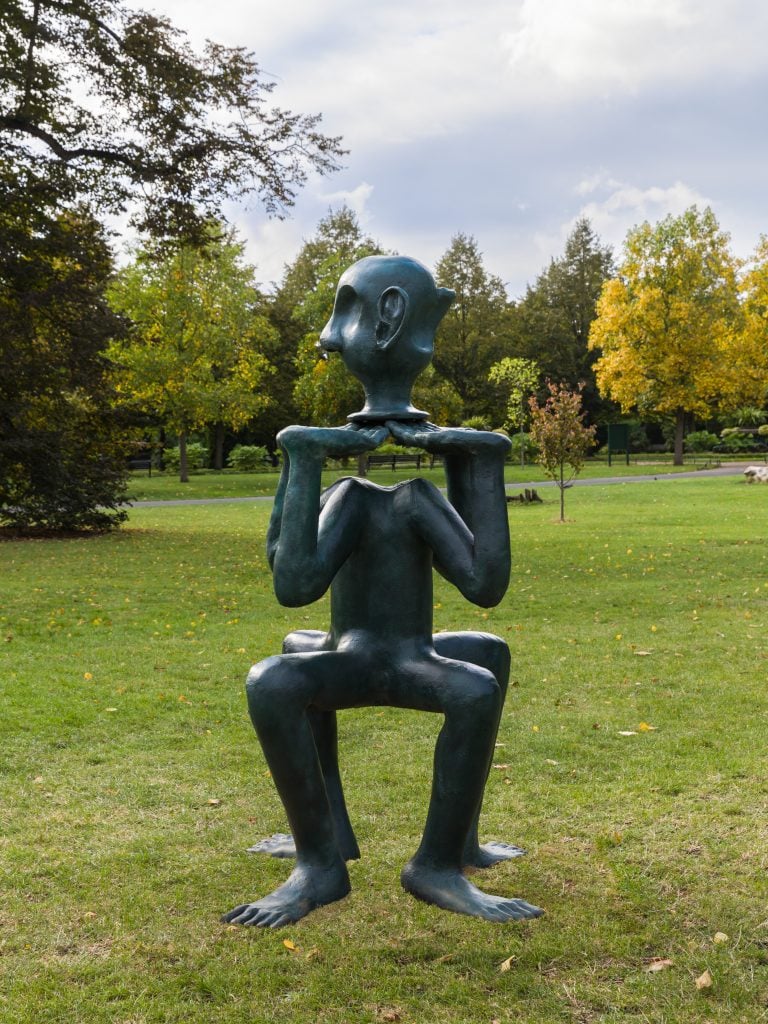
{"type": "Point", "coordinates": [227, 484]}
{"type": "Point", "coordinates": [122, 660]}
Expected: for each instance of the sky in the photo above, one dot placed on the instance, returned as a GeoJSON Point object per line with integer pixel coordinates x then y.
{"type": "Point", "coordinates": [509, 119]}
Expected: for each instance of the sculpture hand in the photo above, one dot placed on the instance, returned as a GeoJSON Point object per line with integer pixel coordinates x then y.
{"type": "Point", "coordinates": [447, 440]}
{"type": "Point", "coordinates": [333, 442]}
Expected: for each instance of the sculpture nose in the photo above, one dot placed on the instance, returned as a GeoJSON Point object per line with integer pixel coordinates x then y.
{"type": "Point", "coordinates": [330, 340]}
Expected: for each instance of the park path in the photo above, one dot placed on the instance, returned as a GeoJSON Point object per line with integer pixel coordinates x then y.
{"type": "Point", "coordinates": [730, 469]}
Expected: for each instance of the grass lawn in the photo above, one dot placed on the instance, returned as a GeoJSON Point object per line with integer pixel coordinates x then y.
{"type": "Point", "coordinates": [132, 781]}
{"type": "Point", "coordinates": [227, 484]}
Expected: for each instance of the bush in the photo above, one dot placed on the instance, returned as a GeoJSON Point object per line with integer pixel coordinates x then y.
{"type": "Point", "coordinates": [477, 423]}
{"type": "Point", "coordinates": [197, 457]}
{"type": "Point", "coordinates": [732, 440]}
{"type": "Point", "coordinates": [247, 458]}
{"type": "Point", "coordinates": [529, 448]}
{"type": "Point", "coordinates": [701, 441]}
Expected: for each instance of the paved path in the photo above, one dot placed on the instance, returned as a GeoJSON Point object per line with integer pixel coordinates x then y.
{"type": "Point", "coordinates": [732, 469]}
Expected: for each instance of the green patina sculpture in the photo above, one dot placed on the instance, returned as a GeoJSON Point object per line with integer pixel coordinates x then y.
{"type": "Point", "coordinates": [375, 547]}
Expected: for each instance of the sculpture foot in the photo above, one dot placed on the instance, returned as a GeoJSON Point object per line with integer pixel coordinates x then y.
{"type": "Point", "coordinates": [281, 844]}
{"type": "Point", "coordinates": [488, 854]}
{"type": "Point", "coordinates": [305, 890]}
{"type": "Point", "coordinates": [450, 890]}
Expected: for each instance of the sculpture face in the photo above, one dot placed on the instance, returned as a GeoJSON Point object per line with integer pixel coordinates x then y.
{"type": "Point", "coordinates": [383, 325]}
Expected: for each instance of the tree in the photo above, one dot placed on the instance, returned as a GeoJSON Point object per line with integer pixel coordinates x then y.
{"type": "Point", "coordinates": [560, 435]}
{"type": "Point", "coordinates": [474, 333]}
{"type": "Point", "coordinates": [62, 451]}
{"type": "Point", "coordinates": [113, 104]}
{"type": "Point", "coordinates": [194, 355]}
{"type": "Point", "coordinates": [667, 326]}
{"type": "Point", "coordinates": [751, 357]}
{"type": "Point", "coordinates": [520, 376]}
{"type": "Point", "coordinates": [551, 322]}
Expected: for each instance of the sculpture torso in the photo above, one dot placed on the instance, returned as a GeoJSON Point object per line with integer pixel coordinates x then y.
{"type": "Point", "coordinates": [383, 591]}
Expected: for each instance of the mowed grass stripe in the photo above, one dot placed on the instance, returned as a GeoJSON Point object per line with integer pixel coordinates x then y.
{"type": "Point", "coordinates": [132, 781]}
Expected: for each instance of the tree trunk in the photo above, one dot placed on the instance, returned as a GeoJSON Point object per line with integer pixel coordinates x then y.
{"type": "Point", "coordinates": [362, 464]}
{"type": "Point", "coordinates": [561, 485]}
{"type": "Point", "coordinates": [183, 466]}
{"type": "Point", "coordinates": [679, 434]}
{"type": "Point", "coordinates": [218, 446]}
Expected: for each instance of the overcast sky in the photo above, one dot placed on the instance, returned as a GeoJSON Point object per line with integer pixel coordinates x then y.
{"type": "Point", "coordinates": [509, 119]}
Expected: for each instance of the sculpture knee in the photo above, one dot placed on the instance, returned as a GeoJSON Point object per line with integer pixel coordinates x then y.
{"type": "Point", "coordinates": [476, 696]}
{"type": "Point", "coordinates": [268, 687]}
{"type": "Point", "coordinates": [499, 658]}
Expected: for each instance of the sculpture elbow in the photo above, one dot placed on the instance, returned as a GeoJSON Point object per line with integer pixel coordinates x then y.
{"type": "Point", "coordinates": [295, 589]}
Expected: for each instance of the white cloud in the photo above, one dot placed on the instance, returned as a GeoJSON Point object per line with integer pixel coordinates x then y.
{"type": "Point", "coordinates": [356, 199]}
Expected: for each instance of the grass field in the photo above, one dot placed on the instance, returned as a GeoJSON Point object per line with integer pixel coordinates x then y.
{"type": "Point", "coordinates": [132, 781]}
{"type": "Point", "coordinates": [227, 484]}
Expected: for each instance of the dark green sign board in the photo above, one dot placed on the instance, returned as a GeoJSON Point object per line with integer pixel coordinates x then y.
{"type": "Point", "coordinates": [618, 440]}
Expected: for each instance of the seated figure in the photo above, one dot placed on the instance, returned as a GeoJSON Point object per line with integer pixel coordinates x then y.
{"type": "Point", "coordinates": [375, 547]}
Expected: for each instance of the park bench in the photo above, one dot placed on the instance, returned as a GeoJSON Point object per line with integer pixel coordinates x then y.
{"type": "Point", "coordinates": [397, 459]}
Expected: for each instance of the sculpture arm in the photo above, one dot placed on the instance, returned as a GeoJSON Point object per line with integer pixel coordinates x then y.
{"type": "Point", "coordinates": [308, 547]}
{"type": "Point", "coordinates": [470, 536]}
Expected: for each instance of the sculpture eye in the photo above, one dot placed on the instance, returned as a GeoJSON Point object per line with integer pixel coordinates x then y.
{"type": "Point", "coordinates": [345, 298]}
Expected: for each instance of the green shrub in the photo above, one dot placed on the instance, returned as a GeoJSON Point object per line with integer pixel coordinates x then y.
{"type": "Point", "coordinates": [522, 441]}
{"type": "Point", "coordinates": [477, 423]}
{"type": "Point", "coordinates": [197, 457]}
{"type": "Point", "coordinates": [732, 440]}
{"type": "Point", "coordinates": [701, 441]}
{"type": "Point", "coordinates": [247, 458]}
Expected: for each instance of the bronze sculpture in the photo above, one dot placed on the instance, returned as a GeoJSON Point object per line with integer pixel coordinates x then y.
{"type": "Point", "coordinates": [375, 548]}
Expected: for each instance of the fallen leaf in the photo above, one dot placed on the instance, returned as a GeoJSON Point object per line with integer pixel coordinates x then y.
{"type": "Point", "coordinates": [501, 767]}
{"type": "Point", "coordinates": [644, 727]}
{"type": "Point", "coordinates": [506, 965]}
{"type": "Point", "coordinates": [110, 709]}
{"type": "Point", "coordinates": [445, 958]}
{"type": "Point", "coordinates": [389, 1015]}
{"type": "Point", "coordinates": [214, 802]}
{"type": "Point", "coordinates": [704, 981]}
{"type": "Point", "coordinates": [658, 964]}
{"type": "Point", "coordinates": [290, 946]}
{"type": "Point", "coordinates": [720, 937]}
{"type": "Point", "coordinates": [548, 760]}
{"type": "Point", "coordinates": [627, 732]}
{"type": "Point", "coordinates": [642, 654]}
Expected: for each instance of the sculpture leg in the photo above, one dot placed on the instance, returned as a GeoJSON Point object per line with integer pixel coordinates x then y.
{"type": "Point", "coordinates": [490, 652]}
{"type": "Point", "coordinates": [325, 732]}
{"type": "Point", "coordinates": [280, 690]}
{"type": "Point", "coordinates": [470, 699]}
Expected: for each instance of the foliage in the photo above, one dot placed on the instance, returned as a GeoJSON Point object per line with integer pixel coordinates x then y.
{"type": "Point", "coordinates": [112, 103]}
{"type": "Point", "coordinates": [700, 441]}
{"type": "Point", "coordinates": [521, 377]}
{"type": "Point", "coordinates": [196, 454]}
{"type": "Point", "coordinates": [474, 332]}
{"type": "Point", "coordinates": [668, 325]}
{"type": "Point", "coordinates": [752, 354]}
{"type": "Point", "coordinates": [246, 458]}
{"type": "Point", "coordinates": [194, 356]}
{"type": "Point", "coordinates": [523, 448]}
{"type": "Point", "coordinates": [62, 451]}
{"type": "Point", "coordinates": [746, 416]}
{"type": "Point", "coordinates": [733, 440]}
{"type": "Point", "coordinates": [551, 322]}
{"type": "Point", "coordinates": [560, 435]}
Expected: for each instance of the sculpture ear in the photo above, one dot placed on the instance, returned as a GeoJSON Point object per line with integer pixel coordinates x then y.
{"type": "Point", "coordinates": [393, 305]}
{"type": "Point", "coordinates": [445, 297]}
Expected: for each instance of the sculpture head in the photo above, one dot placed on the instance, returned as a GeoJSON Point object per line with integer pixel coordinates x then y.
{"type": "Point", "coordinates": [383, 324]}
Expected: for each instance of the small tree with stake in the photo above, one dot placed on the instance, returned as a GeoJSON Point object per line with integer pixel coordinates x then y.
{"type": "Point", "coordinates": [561, 436]}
